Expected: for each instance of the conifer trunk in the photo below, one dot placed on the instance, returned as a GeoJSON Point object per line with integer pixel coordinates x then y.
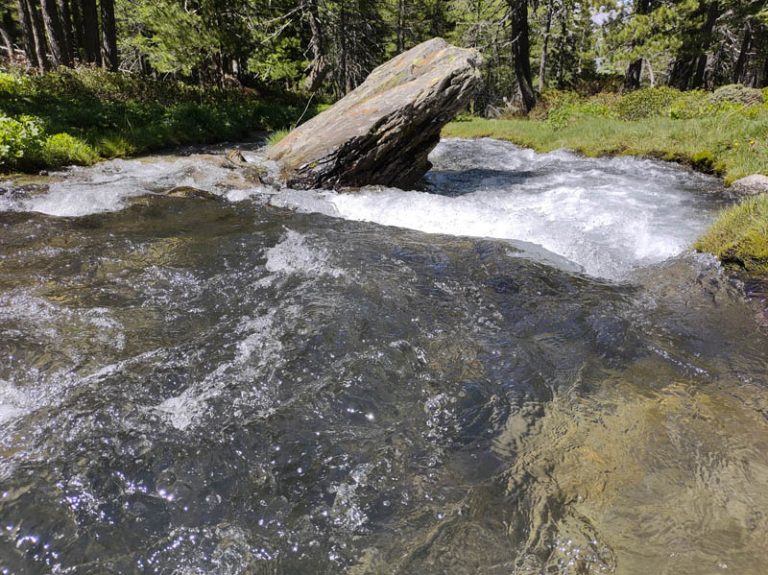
{"type": "Point", "coordinates": [66, 24]}
{"type": "Point", "coordinates": [545, 46]}
{"type": "Point", "coordinates": [318, 69]}
{"type": "Point", "coordinates": [77, 32]}
{"type": "Point", "coordinates": [54, 32]}
{"type": "Point", "coordinates": [38, 31]}
{"type": "Point", "coordinates": [90, 23]}
{"type": "Point", "coordinates": [109, 34]}
{"type": "Point", "coordinates": [28, 34]}
{"type": "Point", "coordinates": [521, 51]}
{"type": "Point", "coordinates": [741, 61]}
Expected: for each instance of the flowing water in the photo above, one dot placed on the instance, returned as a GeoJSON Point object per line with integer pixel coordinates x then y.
{"type": "Point", "coordinates": [520, 369]}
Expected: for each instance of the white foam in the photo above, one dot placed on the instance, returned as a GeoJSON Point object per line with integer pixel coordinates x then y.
{"type": "Point", "coordinates": [13, 402]}
{"type": "Point", "coordinates": [258, 354]}
{"type": "Point", "coordinates": [294, 255]}
{"type": "Point", "coordinates": [106, 186]}
{"type": "Point", "coordinates": [607, 215]}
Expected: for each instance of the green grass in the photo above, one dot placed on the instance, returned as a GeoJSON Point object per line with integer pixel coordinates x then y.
{"type": "Point", "coordinates": [276, 137]}
{"type": "Point", "coordinates": [81, 116]}
{"type": "Point", "coordinates": [740, 236]}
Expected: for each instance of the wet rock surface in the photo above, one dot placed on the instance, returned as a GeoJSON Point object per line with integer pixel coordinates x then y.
{"type": "Point", "coordinates": [383, 131]}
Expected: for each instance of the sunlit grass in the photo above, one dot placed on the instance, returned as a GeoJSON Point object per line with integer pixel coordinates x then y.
{"type": "Point", "coordinates": [276, 137]}
{"type": "Point", "coordinates": [740, 235]}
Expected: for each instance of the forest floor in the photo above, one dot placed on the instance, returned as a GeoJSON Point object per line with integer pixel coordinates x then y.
{"type": "Point", "coordinates": [725, 133]}
{"type": "Point", "coordinates": [82, 116]}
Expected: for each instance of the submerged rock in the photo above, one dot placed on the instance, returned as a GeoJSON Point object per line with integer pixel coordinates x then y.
{"type": "Point", "coordinates": [751, 185]}
{"type": "Point", "coordinates": [191, 192]}
{"type": "Point", "coordinates": [383, 131]}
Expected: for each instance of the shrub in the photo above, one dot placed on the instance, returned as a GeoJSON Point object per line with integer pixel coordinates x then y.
{"type": "Point", "coordinates": [737, 94]}
{"type": "Point", "coordinates": [552, 100]}
{"type": "Point", "coordinates": [21, 140]}
{"type": "Point", "coordinates": [594, 108]}
{"type": "Point", "coordinates": [64, 150]}
{"type": "Point", "coordinates": [692, 104]}
{"type": "Point", "coordinates": [13, 86]}
{"type": "Point", "coordinates": [646, 103]}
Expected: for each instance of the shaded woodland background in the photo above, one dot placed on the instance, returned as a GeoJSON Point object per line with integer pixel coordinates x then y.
{"type": "Point", "coordinates": [328, 47]}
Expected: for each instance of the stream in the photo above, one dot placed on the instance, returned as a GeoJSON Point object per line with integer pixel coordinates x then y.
{"type": "Point", "coordinates": [520, 369]}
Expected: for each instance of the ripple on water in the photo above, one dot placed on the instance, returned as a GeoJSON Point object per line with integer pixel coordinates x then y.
{"type": "Point", "coordinates": [203, 387]}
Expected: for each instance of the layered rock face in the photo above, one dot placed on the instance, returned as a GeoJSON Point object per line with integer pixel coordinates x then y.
{"type": "Point", "coordinates": [383, 131]}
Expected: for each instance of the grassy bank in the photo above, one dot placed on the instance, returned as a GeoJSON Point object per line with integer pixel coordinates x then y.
{"type": "Point", "coordinates": [82, 116]}
{"type": "Point", "coordinates": [740, 236]}
{"type": "Point", "coordinates": [724, 133]}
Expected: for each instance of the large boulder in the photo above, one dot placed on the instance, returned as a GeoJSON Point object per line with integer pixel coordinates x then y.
{"type": "Point", "coordinates": [383, 131]}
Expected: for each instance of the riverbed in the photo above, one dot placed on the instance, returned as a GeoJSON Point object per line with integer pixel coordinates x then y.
{"type": "Point", "coordinates": [520, 368]}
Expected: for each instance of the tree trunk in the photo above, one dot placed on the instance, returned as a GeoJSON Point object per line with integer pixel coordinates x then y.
{"type": "Point", "coordinates": [90, 17]}
{"type": "Point", "coordinates": [39, 35]}
{"type": "Point", "coordinates": [318, 69]}
{"type": "Point", "coordinates": [691, 63]}
{"type": "Point", "coordinates": [28, 34]}
{"type": "Point", "coordinates": [545, 46]}
{"type": "Point", "coordinates": [521, 51]}
{"type": "Point", "coordinates": [713, 13]}
{"type": "Point", "coordinates": [651, 76]}
{"type": "Point", "coordinates": [400, 25]}
{"type": "Point", "coordinates": [741, 61]}
{"type": "Point", "coordinates": [109, 34]}
{"type": "Point", "coordinates": [55, 33]}
{"type": "Point", "coordinates": [66, 24]}
{"type": "Point", "coordinates": [437, 20]}
{"type": "Point", "coordinates": [78, 34]}
{"type": "Point", "coordinates": [7, 44]}
{"type": "Point", "coordinates": [635, 68]}
{"type": "Point", "coordinates": [632, 77]}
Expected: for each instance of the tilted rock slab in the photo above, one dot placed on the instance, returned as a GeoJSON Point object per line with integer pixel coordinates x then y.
{"type": "Point", "coordinates": [383, 131]}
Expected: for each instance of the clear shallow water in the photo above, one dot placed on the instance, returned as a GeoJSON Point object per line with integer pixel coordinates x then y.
{"type": "Point", "coordinates": [196, 386]}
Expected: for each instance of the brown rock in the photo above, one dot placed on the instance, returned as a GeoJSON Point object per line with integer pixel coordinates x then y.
{"type": "Point", "coordinates": [383, 131]}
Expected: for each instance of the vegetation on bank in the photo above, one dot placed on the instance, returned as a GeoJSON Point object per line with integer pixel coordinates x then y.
{"type": "Point", "coordinates": [740, 235]}
{"type": "Point", "coordinates": [79, 116]}
{"type": "Point", "coordinates": [725, 132]}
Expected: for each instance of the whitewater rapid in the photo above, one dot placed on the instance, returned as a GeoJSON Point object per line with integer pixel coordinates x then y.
{"type": "Point", "coordinates": [607, 216]}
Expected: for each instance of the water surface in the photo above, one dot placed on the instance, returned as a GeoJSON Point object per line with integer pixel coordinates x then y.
{"type": "Point", "coordinates": [520, 369]}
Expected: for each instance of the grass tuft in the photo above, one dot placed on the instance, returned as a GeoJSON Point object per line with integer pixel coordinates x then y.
{"type": "Point", "coordinates": [740, 235]}
{"type": "Point", "coordinates": [64, 150]}
{"type": "Point", "coordinates": [276, 137]}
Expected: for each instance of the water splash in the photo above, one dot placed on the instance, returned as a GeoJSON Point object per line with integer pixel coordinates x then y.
{"type": "Point", "coordinates": [609, 216]}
